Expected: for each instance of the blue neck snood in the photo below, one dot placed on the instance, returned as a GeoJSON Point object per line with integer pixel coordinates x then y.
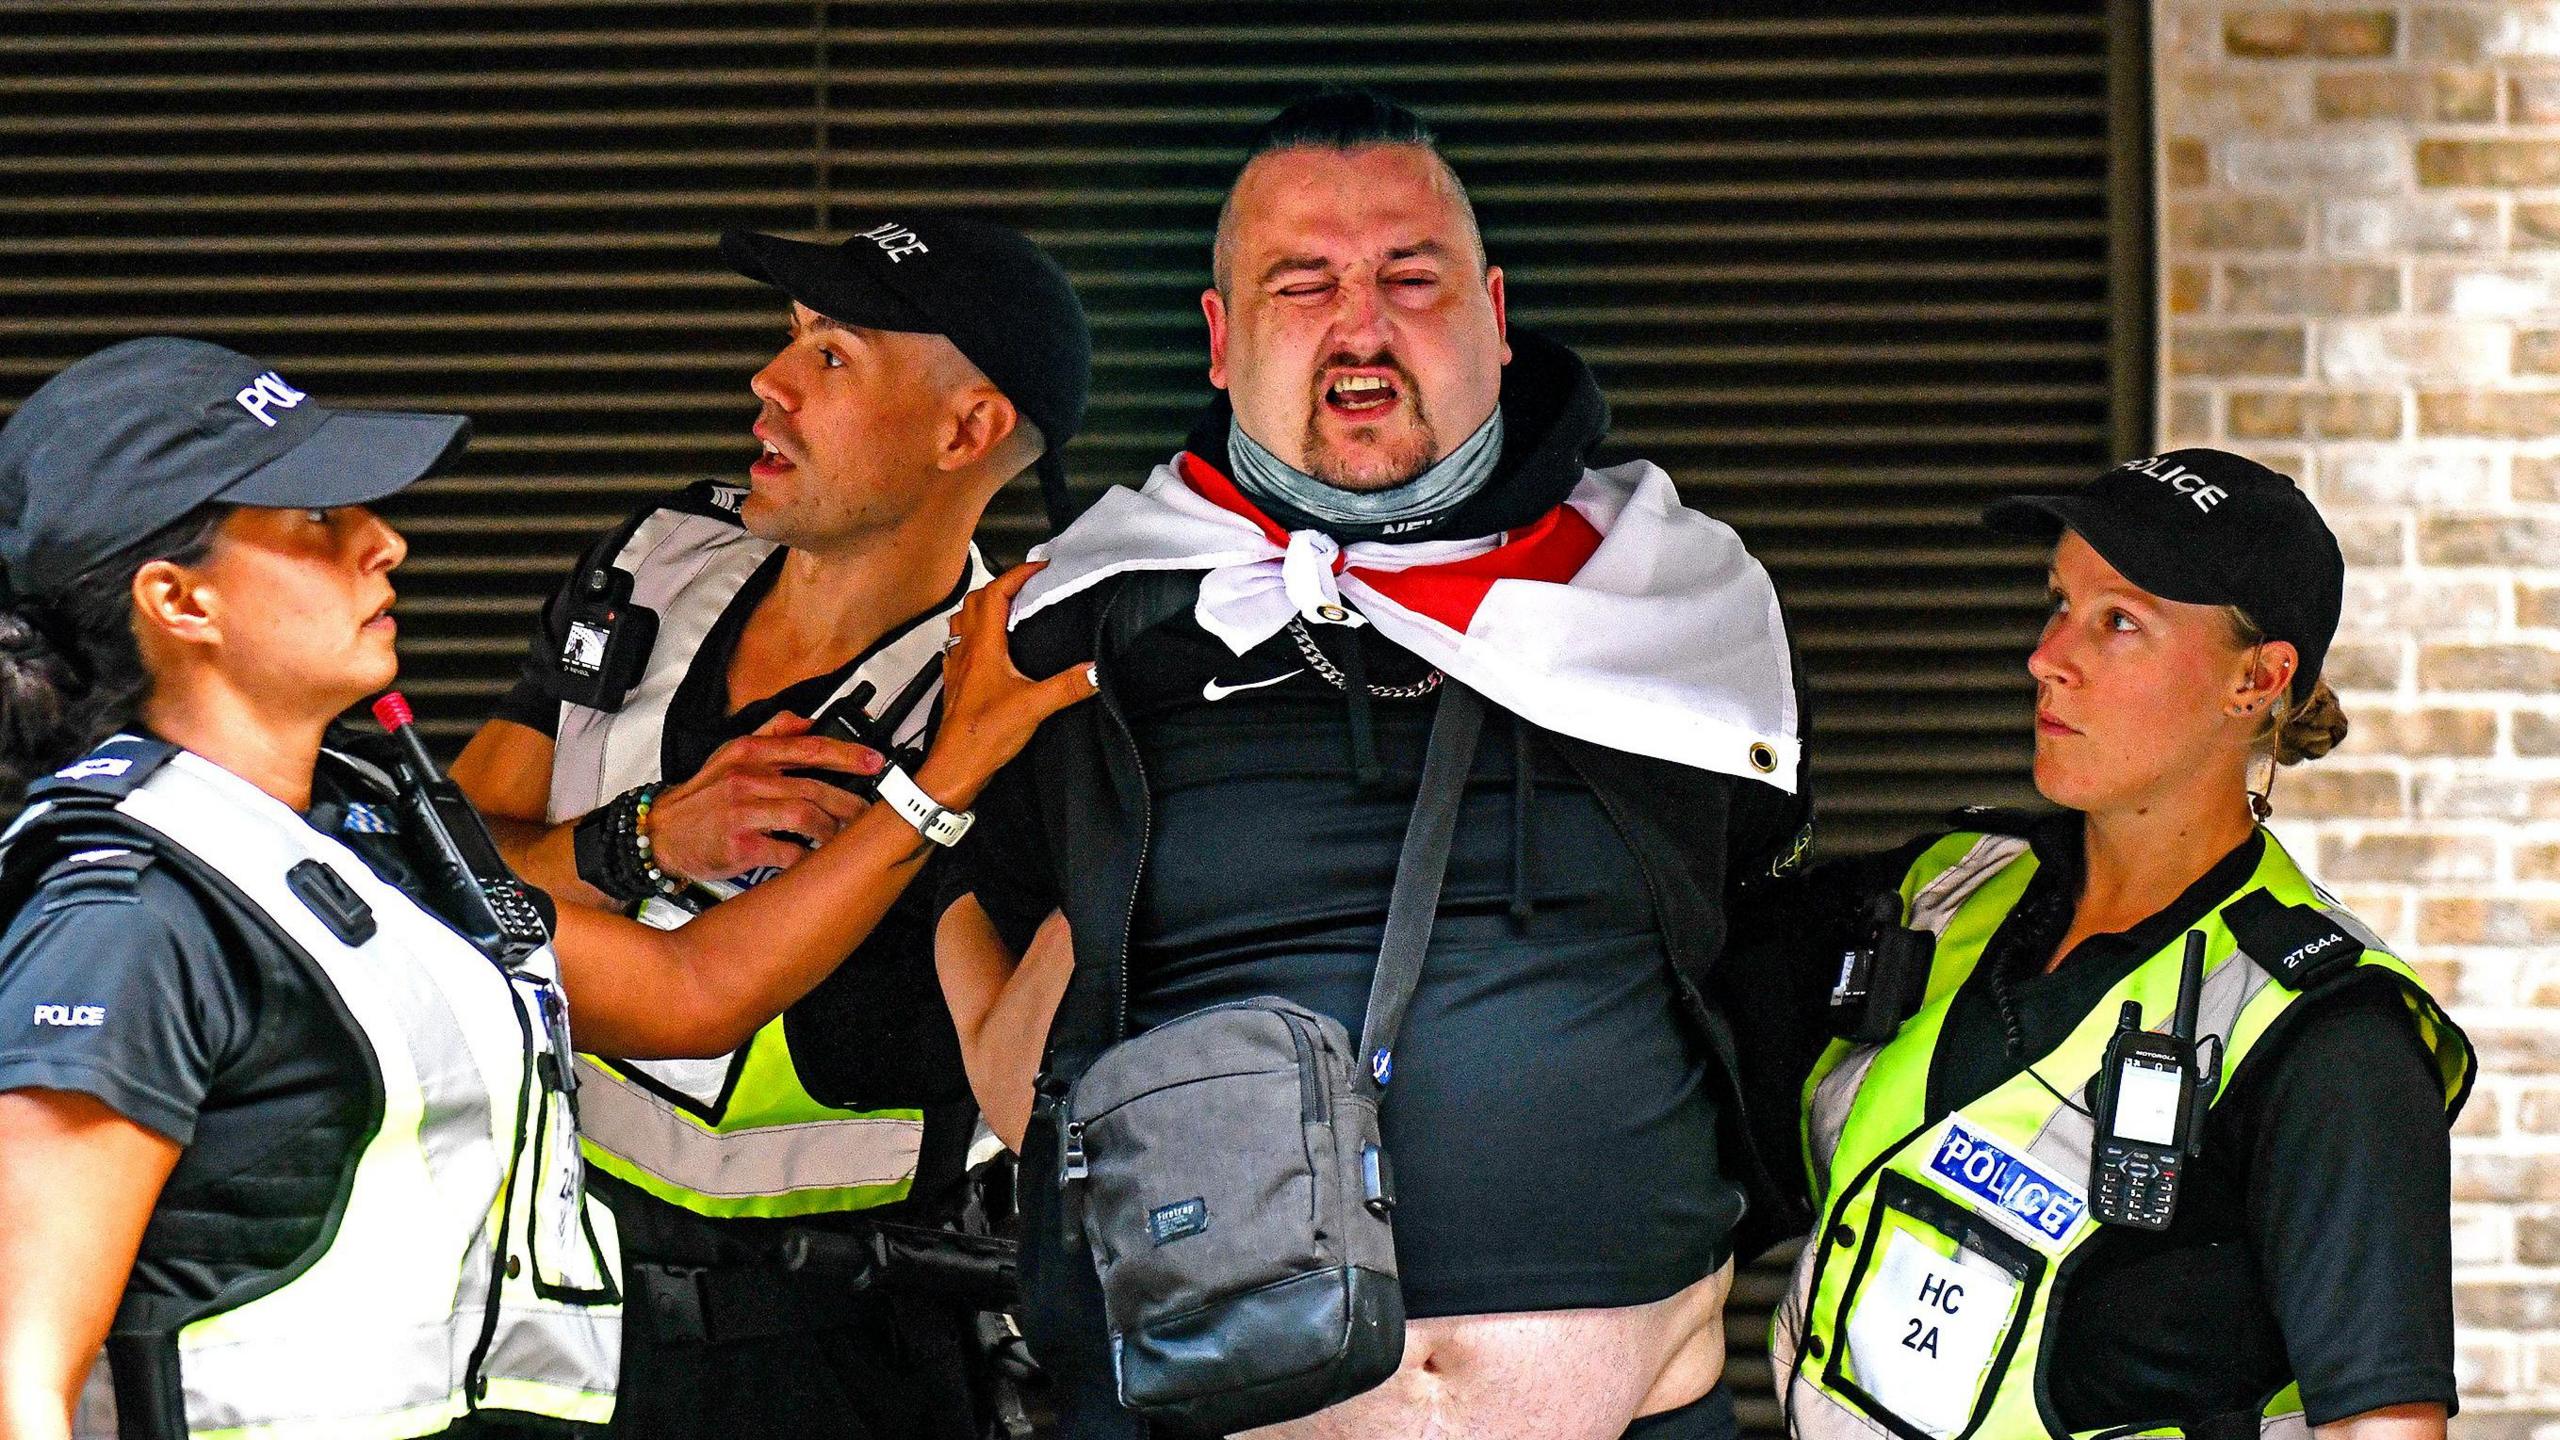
{"type": "Point", "coordinates": [1366, 514]}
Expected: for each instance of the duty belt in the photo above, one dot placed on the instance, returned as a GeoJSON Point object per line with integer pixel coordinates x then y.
{"type": "Point", "coordinates": [811, 1270]}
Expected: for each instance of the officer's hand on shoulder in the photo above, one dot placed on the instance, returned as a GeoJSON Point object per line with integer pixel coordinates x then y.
{"type": "Point", "coordinates": [734, 814]}
{"type": "Point", "coordinates": [990, 709]}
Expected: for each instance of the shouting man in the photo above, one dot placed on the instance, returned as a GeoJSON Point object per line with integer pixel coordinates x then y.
{"type": "Point", "coordinates": [1393, 490]}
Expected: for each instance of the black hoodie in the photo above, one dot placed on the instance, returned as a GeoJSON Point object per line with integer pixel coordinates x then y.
{"type": "Point", "coordinates": [1069, 825]}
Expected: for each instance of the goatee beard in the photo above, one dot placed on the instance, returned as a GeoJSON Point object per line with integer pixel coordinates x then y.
{"type": "Point", "coordinates": [1404, 462]}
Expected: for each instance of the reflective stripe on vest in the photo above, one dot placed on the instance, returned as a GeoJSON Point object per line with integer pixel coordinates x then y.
{"type": "Point", "coordinates": [1920, 1307]}
{"type": "Point", "coordinates": [739, 1135]}
{"type": "Point", "coordinates": [376, 1336]}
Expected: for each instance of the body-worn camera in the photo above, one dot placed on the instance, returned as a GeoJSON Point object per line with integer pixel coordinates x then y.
{"type": "Point", "coordinates": [606, 649]}
{"type": "Point", "coordinates": [1883, 977]}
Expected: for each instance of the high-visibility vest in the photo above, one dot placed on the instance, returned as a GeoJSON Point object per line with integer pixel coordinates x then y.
{"type": "Point", "coordinates": [738, 1135]}
{"type": "Point", "coordinates": [463, 1266]}
{"type": "Point", "coordinates": [1922, 1303]}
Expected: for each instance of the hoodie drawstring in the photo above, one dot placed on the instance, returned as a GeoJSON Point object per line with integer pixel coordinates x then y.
{"type": "Point", "coordinates": [1524, 786]}
{"type": "Point", "coordinates": [1366, 773]}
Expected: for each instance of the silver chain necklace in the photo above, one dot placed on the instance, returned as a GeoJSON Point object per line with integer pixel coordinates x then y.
{"type": "Point", "coordinates": [1332, 675]}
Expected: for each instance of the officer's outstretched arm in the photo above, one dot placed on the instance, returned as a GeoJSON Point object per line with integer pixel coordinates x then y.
{"type": "Point", "coordinates": [1001, 1007]}
{"type": "Point", "coordinates": [77, 1184]}
{"type": "Point", "coordinates": [703, 990]}
{"type": "Point", "coordinates": [506, 771]}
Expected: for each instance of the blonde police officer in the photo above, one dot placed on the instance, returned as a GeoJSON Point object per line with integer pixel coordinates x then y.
{"type": "Point", "coordinates": [2015, 1237]}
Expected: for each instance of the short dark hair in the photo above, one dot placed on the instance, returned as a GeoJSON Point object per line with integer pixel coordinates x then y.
{"type": "Point", "coordinates": [1339, 119]}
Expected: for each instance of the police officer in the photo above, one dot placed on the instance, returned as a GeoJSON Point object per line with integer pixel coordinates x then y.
{"type": "Point", "coordinates": [2024, 1224]}
{"type": "Point", "coordinates": [295, 1149]}
{"type": "Point", "coordinates": [656, 758]}
{"type": "Point", "coordinates": [175, 1006]}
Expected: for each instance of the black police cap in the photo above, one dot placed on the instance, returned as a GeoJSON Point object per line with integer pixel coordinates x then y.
{"type": "Point", "coordinates": [127, 440]}
{"type": "Point", "coordinates": [996, 296]}
{"type": "Point", "coordinates": [2207, 527]}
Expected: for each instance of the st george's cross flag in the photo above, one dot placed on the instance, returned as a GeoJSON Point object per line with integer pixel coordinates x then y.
{"type": "Point", "coordinates": [1621, 617]}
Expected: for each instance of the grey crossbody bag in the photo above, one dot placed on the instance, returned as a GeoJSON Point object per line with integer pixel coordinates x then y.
{"type": "Point", "coordinates": [1225, 1172]}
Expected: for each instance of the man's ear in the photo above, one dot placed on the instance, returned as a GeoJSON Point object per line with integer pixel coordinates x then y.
{"type": "Point", "coordinates": [1214, 306]}
{"type": "Point", "coordinates": [1501, 321]}
{"type": "Point", "coordinates": [175, 603]}
{"type": "Point", "coordinates": [981, 419]}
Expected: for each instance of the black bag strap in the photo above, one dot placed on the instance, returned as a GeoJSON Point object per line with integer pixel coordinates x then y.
{"type": "Point", "coordinates": [1420, 869]}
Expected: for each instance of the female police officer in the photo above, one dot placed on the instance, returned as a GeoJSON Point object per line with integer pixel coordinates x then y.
{"type": "Point", "coordinates": [2039, 1210]}
{"type": "Point", "coordinates": [299, 1153]}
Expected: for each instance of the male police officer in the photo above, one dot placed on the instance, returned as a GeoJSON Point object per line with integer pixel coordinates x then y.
{"type": "Point", "coordinates": [655, 755]}
{"type": "Point", "coordinates": [1391, 490]}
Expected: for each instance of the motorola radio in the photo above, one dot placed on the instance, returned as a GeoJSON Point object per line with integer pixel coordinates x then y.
{"type": "Point", "coordinates": [2150, 1116]}
{"type": "Point", "coordinates": [469, 883]}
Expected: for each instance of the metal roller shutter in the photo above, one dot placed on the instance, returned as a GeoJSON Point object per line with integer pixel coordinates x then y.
{"type": "Point", "coordinates": [1847, 271]}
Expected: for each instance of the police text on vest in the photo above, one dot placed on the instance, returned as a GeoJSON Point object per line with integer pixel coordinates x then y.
{"type": "Point", "coordinates": [71, 1015]}
{"type": "Point", "coordinates": [2016, 1187]}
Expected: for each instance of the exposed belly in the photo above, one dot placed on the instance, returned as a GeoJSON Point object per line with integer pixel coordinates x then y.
{"type": "Point", "coordinates": [1537, 1374]}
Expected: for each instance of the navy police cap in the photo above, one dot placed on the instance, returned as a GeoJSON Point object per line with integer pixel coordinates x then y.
{"type": "Point", "coordinates": [2207, 527]}
{"type": "Point", "coordinates": [996, 296]}
{"type": "Point", "coordinates": [129, 439]}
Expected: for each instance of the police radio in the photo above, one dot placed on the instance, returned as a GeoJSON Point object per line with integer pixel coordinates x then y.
{"type": "Point", "coordinates": [470, 886]}
{"type": "Point", "coordinates": [1884, 977]}
{"type": "Point", "coordinates": [2149, 1112]}
{"type": "Point", "coordinates": [850, 718]}
{"type": "Point", "coordinates": [607, 646]}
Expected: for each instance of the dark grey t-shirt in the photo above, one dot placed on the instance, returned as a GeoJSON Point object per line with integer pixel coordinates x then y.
{"type": "Point", "coordinates": [120, 989]}
{"type": "Point", "coordinates": [118, 983]}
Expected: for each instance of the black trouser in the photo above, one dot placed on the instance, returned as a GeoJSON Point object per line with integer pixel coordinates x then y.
{"type": "Point", "coordinates": [1709, 1417]}
{"type": "Point", "coordinates": [756, 1351]}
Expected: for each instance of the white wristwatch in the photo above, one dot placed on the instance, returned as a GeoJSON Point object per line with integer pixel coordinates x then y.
{"type": "Point", "coordinates": [942, 827]}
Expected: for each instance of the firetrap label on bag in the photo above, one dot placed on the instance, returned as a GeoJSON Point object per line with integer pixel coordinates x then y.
{"type": "Point", "coordinates": [1168, 1223]}
{"type": "Point", "coordinates": [1971, 1159]}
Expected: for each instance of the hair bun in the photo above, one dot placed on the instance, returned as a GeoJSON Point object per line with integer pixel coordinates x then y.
{"type": "Point", "coordinates": [2313, 730]}
{"type": "Point", "coordinates": [40, 693]}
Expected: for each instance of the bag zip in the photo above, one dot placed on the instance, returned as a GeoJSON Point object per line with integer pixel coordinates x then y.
{"type": "Point", "coordinates": [1311, 1111]}
{"type": "Point", "coordinates": [1310, 1093]}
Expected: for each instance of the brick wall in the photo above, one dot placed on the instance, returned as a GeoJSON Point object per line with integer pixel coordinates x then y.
{"type": "Point", "coordinates": [2360, 279]}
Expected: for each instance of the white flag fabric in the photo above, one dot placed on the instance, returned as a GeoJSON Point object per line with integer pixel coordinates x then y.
{"type": "Point", "coordinates": [1621, 617]}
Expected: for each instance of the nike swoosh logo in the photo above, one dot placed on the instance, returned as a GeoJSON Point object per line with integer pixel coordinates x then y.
{"type": "Point", "coordinates": [1215, 691]}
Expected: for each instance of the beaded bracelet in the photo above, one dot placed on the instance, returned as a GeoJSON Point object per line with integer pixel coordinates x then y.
{"type": "Point", "coordinates": [640, 847]}
{"type": "Point", "coordinates": [612, 849]}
